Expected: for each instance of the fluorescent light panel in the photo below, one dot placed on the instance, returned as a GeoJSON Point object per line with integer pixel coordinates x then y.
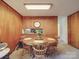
{"type": "Point", "coordinates": [38, 6]}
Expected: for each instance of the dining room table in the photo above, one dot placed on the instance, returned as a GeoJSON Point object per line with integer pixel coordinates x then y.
{"type": "Point", "coordinates": [33, 40]}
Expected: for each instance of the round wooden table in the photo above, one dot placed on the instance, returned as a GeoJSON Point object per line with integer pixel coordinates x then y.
{"type": "Point", "coordinates": [31, 41]}
{"type": "Point", "coordinates": [39, 43]}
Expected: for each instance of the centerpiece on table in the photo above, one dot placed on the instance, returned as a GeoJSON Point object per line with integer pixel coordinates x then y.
{"type": "Point", "coordinates": [39, 35]}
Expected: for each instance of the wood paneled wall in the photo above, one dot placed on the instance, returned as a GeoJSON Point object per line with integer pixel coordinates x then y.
{"type": "Point", "coordinates": [48, 24]}
{"type": "Point", "coordinates": [10, 25]}
{"type": "Point", "coordinates": [73, 29]}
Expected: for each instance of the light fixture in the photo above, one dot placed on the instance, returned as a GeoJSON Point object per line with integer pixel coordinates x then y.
{"type": "Point", "coordinates": [38, 6]}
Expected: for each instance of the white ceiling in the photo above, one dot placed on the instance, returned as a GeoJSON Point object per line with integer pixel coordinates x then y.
{"type": "Point", "coordinates": [59, 8]}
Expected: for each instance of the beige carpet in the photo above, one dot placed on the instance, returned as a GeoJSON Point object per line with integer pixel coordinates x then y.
{"type": "Point", "coordinates": [64, 51]}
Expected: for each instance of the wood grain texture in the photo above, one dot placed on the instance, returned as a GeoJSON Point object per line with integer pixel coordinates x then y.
{"type": "Point", "coordinates": [73, 29]}
{"type": "Point", "coordinates": [10, 25]}
{"type": "Point", "coordinates": [48, 24]}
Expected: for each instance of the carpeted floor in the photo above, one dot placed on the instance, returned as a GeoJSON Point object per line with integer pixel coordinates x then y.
{"type": "Point", "coordinates": [64, 51]}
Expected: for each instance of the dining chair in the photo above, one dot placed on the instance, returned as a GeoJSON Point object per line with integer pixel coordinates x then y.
{"type": "Point", "coordinates": [51, 49]}
{"type": "Point", "coordinates": [39, 52]}
{"type": "Point", "coordinates": [29, 49]}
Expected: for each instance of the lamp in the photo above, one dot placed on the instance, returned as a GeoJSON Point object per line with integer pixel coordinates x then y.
{"type": "Point", "coordinates": [38, 6]}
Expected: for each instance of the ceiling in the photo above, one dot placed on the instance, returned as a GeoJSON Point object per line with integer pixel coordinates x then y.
{"type": "Point", "coordinates": [59, 8]}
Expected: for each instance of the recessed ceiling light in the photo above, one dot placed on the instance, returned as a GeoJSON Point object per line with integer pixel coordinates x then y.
{"type": "Point", "coordinates": [38, 6]}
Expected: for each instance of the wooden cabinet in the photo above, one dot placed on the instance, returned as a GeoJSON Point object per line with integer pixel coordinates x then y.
{"type": "Point", "coordinates": [73, 29]}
